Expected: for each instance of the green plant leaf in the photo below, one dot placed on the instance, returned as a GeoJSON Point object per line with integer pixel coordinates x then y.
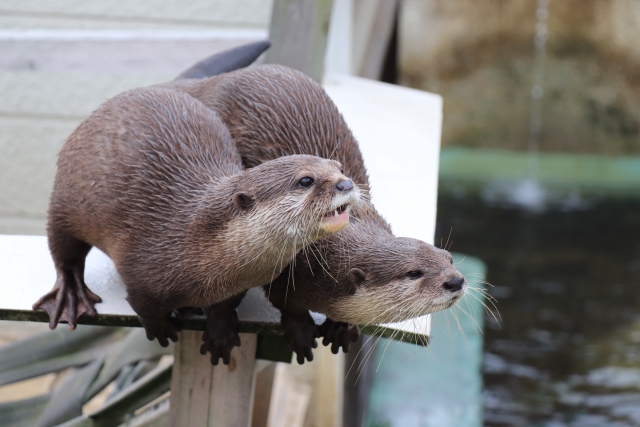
{"type": "Point", "coordinates": [67, 399]}
{"type": "Point", "coordinates": [143, 391]}
{"type": "Point", "coordinates": [54, 364]}
{"type": "Point", "coordinates": [23, 413]}
{"type": "Point", "coordinates": [50, 344]}
{"type": "Point", "coordinates": [132, 349]}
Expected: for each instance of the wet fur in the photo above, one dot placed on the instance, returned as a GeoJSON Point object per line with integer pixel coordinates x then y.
{"type": "Point", "coordinates": [274, 111]}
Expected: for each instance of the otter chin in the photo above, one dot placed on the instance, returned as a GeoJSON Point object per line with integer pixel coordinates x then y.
{"type": "Point", "coordinates": [385, 280]}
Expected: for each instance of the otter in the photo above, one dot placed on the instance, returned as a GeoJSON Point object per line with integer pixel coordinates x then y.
{"type": "Point", "coordinates": [153, 179]}
{"type": "Point", "coordinates": [361, 275]}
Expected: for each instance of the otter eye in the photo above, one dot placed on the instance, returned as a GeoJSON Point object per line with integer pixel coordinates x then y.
{"type": "Point", "coordinates": [415, 274]}
{"type": "Point", "coordinates": [342, 171]}
{"type": "Point", "coordinates": [306, 182]}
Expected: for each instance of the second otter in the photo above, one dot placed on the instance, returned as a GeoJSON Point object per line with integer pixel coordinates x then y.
{"type": "Point", "coordinates": [361, 275]}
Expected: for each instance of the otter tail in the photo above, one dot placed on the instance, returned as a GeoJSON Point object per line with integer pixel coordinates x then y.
{"type": "Point", "coordinates": [225, 61]}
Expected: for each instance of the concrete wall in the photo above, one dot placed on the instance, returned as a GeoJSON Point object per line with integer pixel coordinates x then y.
{"type": "Point", "coordinates": [61, 59]}
{"type": "Point", "coordinates": [479, 55]}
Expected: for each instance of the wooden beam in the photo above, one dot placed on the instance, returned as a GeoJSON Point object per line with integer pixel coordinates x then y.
{"type": "Point", "coordinates": [329, 380]}
{"type": "Point", "coordinates": [373, 25]}
{"type": "Point", "coordinates": [298, 34]}
{"type": "Point", "coordinates": [212, 396]}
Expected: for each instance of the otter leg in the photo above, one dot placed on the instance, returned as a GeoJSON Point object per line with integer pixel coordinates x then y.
{"type": "Point", "coordinates": [302, 331]}
{"type": "Point", "coordinates": [339, 334]}
{"type": "Point", "coordinates": [70, 297]}
{"type": "Point", "coordinates": [221, 332]}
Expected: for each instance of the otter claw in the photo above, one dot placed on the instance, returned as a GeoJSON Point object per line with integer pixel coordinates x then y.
{"type": "Point", "coordinates": [69, 299]}
{"type": "Point", "coordinates": [339, 334]}
{"type": "Point", "coordinates": [163, 329]}
{"type": "Point", "coordinates": [220, 337]}
{"type": "Point", "coordinates": [303, 332]}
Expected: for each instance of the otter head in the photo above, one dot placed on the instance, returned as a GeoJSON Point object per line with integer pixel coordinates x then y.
{"type": "Point", "coordinates": [398, 279]}
{"type": "Point", "coordinates": [382, 279]}
{"type": "Point", "coordinates": [286, 203]}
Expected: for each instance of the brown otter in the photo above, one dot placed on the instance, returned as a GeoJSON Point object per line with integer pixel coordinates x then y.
{"type": "Point", "coordinates": [154, 180]}
{"type": "Point", "coordinates": [361, 275]}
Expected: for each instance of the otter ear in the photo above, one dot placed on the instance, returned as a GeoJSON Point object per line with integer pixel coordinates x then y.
{"type": "Point", "coordinates": [243, 200]}
{"type": "Point", "coordinates": [356, 276]}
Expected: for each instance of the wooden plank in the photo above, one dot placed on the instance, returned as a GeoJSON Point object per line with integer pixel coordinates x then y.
{"type": "Point", "coordinates": [262, 395]}
{"type": "Point", "coordinates": [115, 52]}
{"type": "Point", "coordinates": [204, 13]}
{"type": "Point", "coordinates": [298, 34]}
{"type": "Point", "coordinates": [290, 399]}
{"type": "Point", "coordinates": [226, 390]}
{"type": "Point", "coordinates": [232, 387]}
{"type": "Point", "coordinates": [373, 28]}
{"type": "Point", "coordinates": [329, 395]}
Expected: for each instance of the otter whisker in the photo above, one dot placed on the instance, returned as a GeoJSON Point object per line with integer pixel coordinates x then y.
{"type": "Point", "coordinates": [487, 309]}
{"type": "Point", "coordinates": [448, 237]}
{"type": "Point", "coordinates": [362, 347]}
{"type": "Point", "coordinates": [389, 341]}
{"type": "Point", "coordinates": [367, 357]}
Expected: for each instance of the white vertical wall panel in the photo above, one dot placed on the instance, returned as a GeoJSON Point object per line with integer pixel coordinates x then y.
{"type": "Point", "coordinates": [399, 134]}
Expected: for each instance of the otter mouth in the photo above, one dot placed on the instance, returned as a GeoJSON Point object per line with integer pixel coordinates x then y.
{"type": "Point", "coordinates": [336, 219]}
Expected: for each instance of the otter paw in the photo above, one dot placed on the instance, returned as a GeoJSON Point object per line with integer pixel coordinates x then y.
{"type": "Point", "coordinates": [68, 300]}
{"type": "Point", "coordinates": [339, 334]}
{"type": "Point", "coordinates": [220, 337]}
{"type": "Point", "coordinates": [302, 331]}
{"type": "Point", "coordinates": [164, 329]}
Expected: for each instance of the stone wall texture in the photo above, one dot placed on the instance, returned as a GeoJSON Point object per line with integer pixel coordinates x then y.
{"type": "Point", "coordinates": [479, 55]}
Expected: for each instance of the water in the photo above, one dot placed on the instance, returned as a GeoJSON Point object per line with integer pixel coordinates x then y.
{"type": "Point", "coordinates": [568, 350]}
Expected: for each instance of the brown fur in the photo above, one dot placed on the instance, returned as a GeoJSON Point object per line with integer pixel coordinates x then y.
{"type": "Point", "coordinates": [359, 275]}
{"type": "Point", "coordinates": [154, 180]}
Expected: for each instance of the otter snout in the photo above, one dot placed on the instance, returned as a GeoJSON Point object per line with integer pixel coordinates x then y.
{"type": "Point", "coordinates": [344, 186]}
{"type": "Point", "coordinates": [454, 284]}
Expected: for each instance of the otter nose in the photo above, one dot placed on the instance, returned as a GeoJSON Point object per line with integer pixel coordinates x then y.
{"type": "Point", "coordinates": [344, 186]}
{"type": "Point", "coordinates": [454, 285]}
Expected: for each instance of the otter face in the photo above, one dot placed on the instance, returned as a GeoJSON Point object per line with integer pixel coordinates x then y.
{"type": "Point", "coordinates": [303, 197]}
{"type": "Point", "coordinates": [398, 279]}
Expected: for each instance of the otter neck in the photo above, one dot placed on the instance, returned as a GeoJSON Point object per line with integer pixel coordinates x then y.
{"type": "Point", "coordinates": [228, 255]}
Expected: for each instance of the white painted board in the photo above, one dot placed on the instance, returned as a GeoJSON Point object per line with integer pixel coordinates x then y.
{"type": "Point", "coordinates": [398, 130]}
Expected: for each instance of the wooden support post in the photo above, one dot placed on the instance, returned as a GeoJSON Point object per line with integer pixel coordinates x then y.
{"type": "Point", "coordinates": [298, 34]}
{"type": "Point", "coordinates": [329, 379]}
{"type": "Point", "coordinates": [212, 396]}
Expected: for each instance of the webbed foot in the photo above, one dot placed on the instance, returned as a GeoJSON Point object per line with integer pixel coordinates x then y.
{"type": "Point", "coordinates": [163, 328]}
{"type": "Point", "coordinates": [69, 299]}
{"type": "Point", "coordinates": [220, 336]}
{"type": "Point", "coordinates": [339, 334]}
{"type": "Point", "coordinates": [302, 331]}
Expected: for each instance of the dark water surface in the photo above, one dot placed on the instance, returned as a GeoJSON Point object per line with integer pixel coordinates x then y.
{"type": "Point", "coordinates": [567, 352]}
